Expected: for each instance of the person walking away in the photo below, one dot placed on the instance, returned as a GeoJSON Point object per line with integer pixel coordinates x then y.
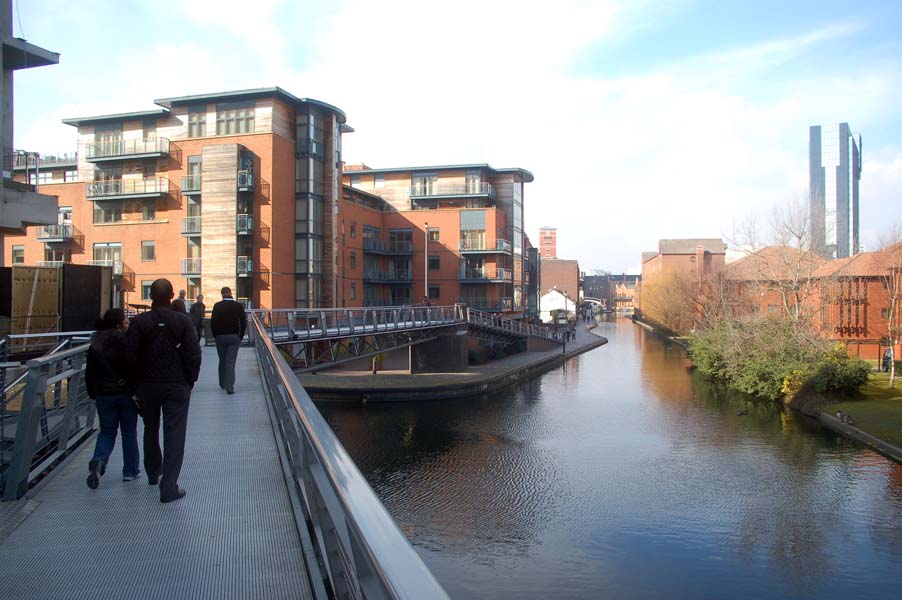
{"type": "Point", "coordinates": [165, 361]}
{"type": "Point", "coordinates": [179, 306]}
{"type": "Point", "coordinates": [106, 379]}
{"type": "Point", "coordinates": [228, 324]}
{"type": "Point", "coordinates": [197, 313]}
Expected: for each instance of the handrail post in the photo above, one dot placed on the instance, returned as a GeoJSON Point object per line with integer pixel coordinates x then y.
{"type": "Point", "coordinates": [16, 481]}
{"type": "Point", "coordinates": [73, 387]}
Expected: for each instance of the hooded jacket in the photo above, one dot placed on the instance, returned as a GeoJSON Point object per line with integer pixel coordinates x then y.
{"type": "Point", "coordinates": [107, 367]}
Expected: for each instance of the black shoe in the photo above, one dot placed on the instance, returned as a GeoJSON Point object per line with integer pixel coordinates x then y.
{"type": "Point", "coordinates": [230, 392]}
{"type": "Point", "coordinates": [96, 468]}
{"type": "Point", "coordinates": [153, 479]}
{"type": "Point", "coordinates": [178, 495]}
{"type": "Point", "coordinates": [131, 476]}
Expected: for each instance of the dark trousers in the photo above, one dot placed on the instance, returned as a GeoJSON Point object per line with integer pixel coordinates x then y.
{"type": "Point", "coordinates": [200, 333]}
{"type": "Point", "coordinates": [227, 349]}
{"type": "Point", "coordinates": [172, 400]}
{"type": "Point", "coordinates": [118, 411]}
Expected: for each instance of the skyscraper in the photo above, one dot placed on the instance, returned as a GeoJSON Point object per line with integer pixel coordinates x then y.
{"type": "Point", "coordinates": [834, 169]}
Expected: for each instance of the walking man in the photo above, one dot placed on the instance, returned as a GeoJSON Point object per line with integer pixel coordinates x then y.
{"type": "Point", "coordinates": [197, 313]}
{"type": "Point", "coordinates": [165, 361]}
{"type": "Point", "coordinates": [183, 296]}
{"type": "Point", "coordinates": [228, 324]}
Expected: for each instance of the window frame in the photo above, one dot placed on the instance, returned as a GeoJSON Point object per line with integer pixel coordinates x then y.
{"type": "Point", "coordinates": [152, 246]}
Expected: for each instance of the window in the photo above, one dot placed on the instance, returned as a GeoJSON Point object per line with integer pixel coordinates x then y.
{"type": "Point", "coordinates": [353, 260]}
{"type": "Point", "coordinates": [353, 230]}
{"type": "Point", "coordinates": [18, 255]}
{"type": "Point", "coordinates": [353, 291]}
{"type": "Point", "coordinates": [434, 292]}
{"type": "Point", "coordinates": [42, 177]}
{"type": "Point", "coordinates": [71, 175]}
{"type": "Point", "coordinates": [884, 313]}
{"type": "Point", "coordinates": [355, 181]}
{"type": "Point", "coordinates": [380, 181]}
{"type": "Point", "coordinates": [234, 117]}
{"type": "Point", "coordinates": [149, 210]}
{"type": "Point", "coordinates": [433, 234]}
{"type": "Point", "coordinates": [197, 121]}
{"type": "Point", "coordinates": [145, 289]}
{"type": "Point", "coordinates": [54, 255]}
{"type": "Point", "coordinates": [692, 259]}
{"type": "Point", "coordinates": [434, 263]}
{"type": "Point", "coordinates": [107, 212]}
{"type": "Point", "coordinates": [148, 251]}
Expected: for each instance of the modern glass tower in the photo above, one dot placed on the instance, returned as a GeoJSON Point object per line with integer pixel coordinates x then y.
{"type": "Point", "coordinates": [835, 168]}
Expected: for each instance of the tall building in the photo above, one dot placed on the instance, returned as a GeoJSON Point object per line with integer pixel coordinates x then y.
{"type": "Point", "coordinates": [452, 233]}
{"type": "Point", "coordinates": [236, 189]}
{"type": "Point", "coordinates": [834, 170]}
{"type": "Point", "coordinates": [548, 242]}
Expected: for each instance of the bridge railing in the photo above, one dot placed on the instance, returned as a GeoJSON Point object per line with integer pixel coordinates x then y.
{"type": "Point", "coordinates": [494, 321]}
{"type": "Point", "coordinates": [362, 549]}
{"type": "Point", "coordinates": [44, 414]}
{"type": "Point", "coordinates": [307, 324]}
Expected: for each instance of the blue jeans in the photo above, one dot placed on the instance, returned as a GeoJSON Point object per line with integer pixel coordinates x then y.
{"type": "Point", "coordinates": [118, 411]}
{"type": "Point", "coordinates": [227, 348]}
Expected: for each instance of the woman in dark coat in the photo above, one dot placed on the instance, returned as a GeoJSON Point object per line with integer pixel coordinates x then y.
{"type": "Point", "coordinates": [106, 378]}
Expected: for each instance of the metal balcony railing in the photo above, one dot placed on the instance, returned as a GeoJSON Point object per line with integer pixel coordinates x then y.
{"type": "Point", "coordinates": [127, 188]}
{"type": "Point", "coordinates": [376, 276]}
{"type": "Point", "coordinates": [245, 224]}
{"type": "Point", "coordinates": [376, 246]}
{"type": "Point", "coordinates": [108, 262]}
{"type": "Point", "coordinates": [191, 225]}
{"type": "Point", "coordinates": [22, 159]}
{"type": "Point", "coordinates": [50, 263]}
{"type": "Point", "coordinates": [481, 245]}
{"type": "Point", "coordinates": [60, 232]}
{"type": "Point", "coordinates": [190, 267]}
{"type": "Point", "coordinates": [451, 191]}
{"type": "Point", "coordinates": [498, 275]}
{"type": "Point", "coordinates": [116, 149]}
{"type": "Point", "coordinates": [191, 184]}
{"type": "Point", "coordinates": [488, 304]}
{"type": "Point", "coordinates": [245, 181]}
{"type": "Point", "coordinates": [311, 147]}
{"type": "Point", "coordinates": [244, 266]}
{"type": "Point", "coordinates": [484, 319]}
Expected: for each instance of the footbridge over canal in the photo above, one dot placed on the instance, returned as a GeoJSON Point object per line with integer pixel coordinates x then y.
{"type": "Point", "coordinates": [275, 508]}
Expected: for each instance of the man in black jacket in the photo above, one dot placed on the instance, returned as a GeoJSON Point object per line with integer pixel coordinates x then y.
{"type": "Point", "coordinates": [165, 362]}
{"type": "Point", "coordinates": [197, 313]}
{"type": "Point", "coordinates": [228, 323]}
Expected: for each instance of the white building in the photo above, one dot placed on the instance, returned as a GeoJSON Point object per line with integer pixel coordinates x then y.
{"type": "Point", "coordinates": [553, 300]}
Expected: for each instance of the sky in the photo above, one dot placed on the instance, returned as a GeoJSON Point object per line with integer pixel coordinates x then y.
{"type": "Point", "coordinates": [640, 119]}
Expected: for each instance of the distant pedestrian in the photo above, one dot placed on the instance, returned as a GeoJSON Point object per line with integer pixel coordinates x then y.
{"type": "Point", "coordinates": [197, 314]}
{"type": "Point", "coordinates": [165, 362]}
{"type": "Point", "coordinates": [183, 298]}
{"type": "Point", "coordinates": [228, 324]}
{"type": "Point", "coordinates": [106, 379]}
{"type": "Point", "coordinates": [178, 305]}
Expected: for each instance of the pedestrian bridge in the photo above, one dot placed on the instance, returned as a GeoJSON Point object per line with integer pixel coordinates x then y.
{"type": "Point", "coordinates": [275, 508]}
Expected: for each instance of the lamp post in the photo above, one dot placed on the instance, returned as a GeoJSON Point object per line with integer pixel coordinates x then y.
{"type": "Point", "coordinates": [425, 263]}
{"type": "Point", "coordinates": [566, 324]}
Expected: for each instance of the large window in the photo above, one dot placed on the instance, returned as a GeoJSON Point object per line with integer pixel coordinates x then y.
{"type": "Point", "coordinates": [18, 255]}
{"type": "Point", "coordinates": [149, 210]}
{"type": "Point", "coordinates": [108, 211]}
{"type": "Point", "coordinates": [42, 177]}
{"type": "Point", "coordinates": [434, 292]}
{"type": "Point", "coordinates": [145, 289]}
{"type": "Point", "coordinates": [434, 263]}
{"type": "Point", "coordinates": [54, 255]}
{"type": "Point", "coordinates": [234, 117]}
{"type": "Point", "coordinates": [433, 234]}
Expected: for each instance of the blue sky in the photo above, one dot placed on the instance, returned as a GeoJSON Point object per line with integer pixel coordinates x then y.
{"type": "Point", "coordinates": [640, 119]}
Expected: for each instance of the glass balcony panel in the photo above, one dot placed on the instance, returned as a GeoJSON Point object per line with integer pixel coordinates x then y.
{"type": "Point", "coordinates": [191, 225]}
{"type": "Point", "coordinates": [190, 266]}
{"type": "Point", "coordinates": [125, 188]}
{"type": "Point", "coordinates": [120, 148]}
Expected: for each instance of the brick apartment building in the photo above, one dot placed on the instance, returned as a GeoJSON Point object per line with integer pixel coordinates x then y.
{"type": "Point", "coordinates": [233, 189]}
{"type": "Point", "coordinates": [453, 233]}
{"type": "Point", "coordinates": [616, 292]}
{"type": "Point", "coordinates": [548, 242]}
{"type": "Point", "coordinates": [562, 274]}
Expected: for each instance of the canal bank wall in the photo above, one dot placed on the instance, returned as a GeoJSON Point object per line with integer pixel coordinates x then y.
{"type": "Point", "coordinates": [682, 343]}
{"type": "Point", "coordinates": [478, 380]}
{"type": "Point", "coordinates": [862, 437]}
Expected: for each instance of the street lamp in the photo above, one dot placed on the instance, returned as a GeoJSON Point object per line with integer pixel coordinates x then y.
{"type": "Point", "coordinates": [425, 263]}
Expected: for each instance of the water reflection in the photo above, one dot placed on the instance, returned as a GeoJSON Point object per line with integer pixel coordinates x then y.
{"type": "Point", "coordinates": [625, 475]}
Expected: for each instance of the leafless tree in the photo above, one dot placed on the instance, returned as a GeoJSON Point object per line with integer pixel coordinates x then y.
{"type": "Point", "coordinates": [890, 256]}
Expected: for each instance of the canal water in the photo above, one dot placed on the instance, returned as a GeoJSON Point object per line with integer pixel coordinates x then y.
{"type": "Point", "coordinates": [624, 475]}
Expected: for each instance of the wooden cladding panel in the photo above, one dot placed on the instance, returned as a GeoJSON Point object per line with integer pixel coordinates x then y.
{"type": "Point", "coordinates": [219, 210]}
{"type": "Point", "coordinates": [283, 119]}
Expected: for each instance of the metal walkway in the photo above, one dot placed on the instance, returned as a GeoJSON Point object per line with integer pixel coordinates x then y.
{"type": "Point", "coordinates": [233, 536]}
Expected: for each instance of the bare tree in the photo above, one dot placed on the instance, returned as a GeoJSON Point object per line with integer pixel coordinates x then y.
{"type": "Point", "coordinates": [890, 256]}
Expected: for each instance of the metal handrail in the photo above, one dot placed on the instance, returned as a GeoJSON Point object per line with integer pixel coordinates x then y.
{"type": "Point", "coordinates": [377, 245]}
{"type": "Point", "coordinates": [57, 231]}
{"type": "Point", "coordinates": [54, 417]}
{"type": "Point", "coordinates": [493, 321]}
{"type": "Point", "coordinates": [437, 189]}
{"type": "Point", "coordinates": [191, 183]}
{"type": "Point", "coordinates": [127, 187]}
{"type": "Point", "coordinates": [121, 147]}
{"type": "Point", "coordinates": [108, 262]}
{"type": "Point", "coordinates": [190, 266]}
{"type": "Point", "coordinates": [377, 275]}
{"type": "Point", "coordinates": [500, 274]}
{"type": "Point", "coordinates": [364, 552]}
{"type": "Point", "coordinates": [481, 245]}
{"type": "Point", "coordinates": [191, 225]}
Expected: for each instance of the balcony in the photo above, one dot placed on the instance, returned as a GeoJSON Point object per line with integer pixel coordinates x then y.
{"type": "Point", "coordinates": [190, 226]}
{"type": "Point", "coordinates": [489, 304]}
{"type": "Point", "coordinates": [190, 267]}
{"type": "Point", "coordinates": [23, 160]}
{"type": "Point", "coordinates": [190, 184]}
{"type": "Point", "coordinates": [311, 147]}
{"type": "Point", "coordinates": [50, 263]}
{"type": "Point", "coordinates": [485, 275]}
{"type": "Point", "coordinates": [245, 181]}
{"type": "Point", "coordinates": [390, 277]}
{"type": "Point", "coordinates": [126, 149]}
{"type": "Point", "coordinates": [245, 266]}
{"type": "Point", "coordinates": [117, 265]}
{"type": "Point", "coordinates": [375, 246]}
{"type": "Point", "coordinates": [437, 190]}
{"type": "Point", "coordinates": [61, 232]}
{"type": "Point", "coordinates": [480, 246]}
{"type": "Point", "coordinates": [245, 224]}
{"type": "Point", "coordinates": [119, 189]}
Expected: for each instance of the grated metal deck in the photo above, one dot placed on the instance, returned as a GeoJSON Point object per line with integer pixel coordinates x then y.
{"type": "Point", "coordinates": [233, 536]}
